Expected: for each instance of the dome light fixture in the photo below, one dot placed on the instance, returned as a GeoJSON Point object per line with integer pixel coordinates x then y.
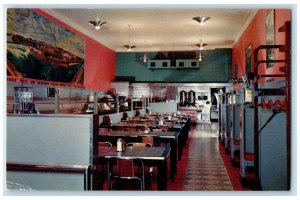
{"type": "Point", "coordinates": [201, 45]}
{"type": "Point", "coordinates": [97, 23]}
{"type": "Point", "coordinates": [201, 19]}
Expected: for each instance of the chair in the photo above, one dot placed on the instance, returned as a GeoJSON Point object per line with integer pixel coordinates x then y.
{"type": "Point", "coordinates": [104, 144]}
{"type": "Point", "coordinates": [138, 144]}
{"type": "Point", "coordinates": [148, 139]}
{"type": "Point", "coordinates": [118, 128]}
{"type": "Point", "coordinates": [164, 127]}
{"type": "Point", "coordinates": [104, 130]}
{"type": "Point", "coordinates": [159, 130]}
{"type": "Point", "coordinates": [149, 170]}
{"type": "Point", "coordinates": [153, 140]}
{"type": "Point", "coordinates": [131, 129]}
{"type": "Point", "coordinates": [168, 123]}
{"type": "Point", "coordinates": [126, 170]}
{"type": "Point", "coordinates": [135, 121]}
{"type": "Point", "coordinates": [100, 170]}
{"type": "Point", "coordinates": [142, 127]}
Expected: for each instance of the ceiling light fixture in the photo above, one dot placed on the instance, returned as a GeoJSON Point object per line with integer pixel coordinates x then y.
{"type": "Point", "coordinates": [201, 19]}
{"type": "Point", "coordinates": [201, 45]}
{"type": "Point", "coordinates": [200, 57]}
{"type": "Point", "coordinates": [129, 46]}
{"type": "Point", "coordinates": [145, 58]}
{"type": "Point", "coordinates": [97, 23]}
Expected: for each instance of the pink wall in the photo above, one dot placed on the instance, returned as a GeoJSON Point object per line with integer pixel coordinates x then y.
{"type": "Point", "coordinates": [255, 35]}
{"type": "Point", "coordinates": [100, 61]}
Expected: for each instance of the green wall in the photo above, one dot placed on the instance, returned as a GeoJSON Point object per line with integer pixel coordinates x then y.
{"type": "Point", "coordinates": [215, 68]}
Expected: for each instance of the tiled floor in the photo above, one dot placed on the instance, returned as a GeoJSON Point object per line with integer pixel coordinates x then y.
{"type": "Point", "coordinates": [201, 167]}
{"type": "Point", "coordinates": [205, 168]}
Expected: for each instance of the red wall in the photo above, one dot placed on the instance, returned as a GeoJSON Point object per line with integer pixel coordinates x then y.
{"type": "Point", "coordinates": [100, 61]}
{"type": "Point", "coordinates": [255, 35]}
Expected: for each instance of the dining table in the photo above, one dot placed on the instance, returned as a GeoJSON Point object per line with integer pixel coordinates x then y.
{"type": "Point", "coordinates": [180, 128]}
{"type": "Point", "coordinates": [154, 156]}
{"type": "Point", "coordinates": [166, 138]}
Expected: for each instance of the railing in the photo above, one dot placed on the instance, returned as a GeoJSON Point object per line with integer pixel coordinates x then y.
{"type": "Point", "coordinates": [53, 168]}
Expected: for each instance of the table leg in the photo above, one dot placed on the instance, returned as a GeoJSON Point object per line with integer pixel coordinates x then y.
{"type": "Point", "coordinates": [173, 160]}
{"type": "Point", "coordinates": [180, 145]}
{"type": "Point", "coordinates": [162, 170]}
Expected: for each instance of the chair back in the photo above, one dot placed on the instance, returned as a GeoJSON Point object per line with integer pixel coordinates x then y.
{"type": "Point", "coordinates": [126, 167]}
{"type": "Point", "coordinates": [142, 128]}
{"type": "Point", "coordinates": [103, 130]}
{"type": "Point", "coordinates": [138, 144]}
{"type": "Point", "coordinates": [159, 130]}
{"type": "Point", "coordinates": [153, 140]}
{"type": "Point", "coordinates": [164, 127]}
{"type": "Point", "coordinates": [135, 121]}
{"type": "Point", "coordinates": [104, 144]}
{"type": "Point", "coordinates": [118, 128]}
{"type": "Point", "coordinates": [169, 123]}
{"type": "Point", "coordinates": [131, 129]}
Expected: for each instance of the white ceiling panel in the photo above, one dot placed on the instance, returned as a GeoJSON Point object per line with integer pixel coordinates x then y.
{"type": "Point", "coordinates": [162, 28]}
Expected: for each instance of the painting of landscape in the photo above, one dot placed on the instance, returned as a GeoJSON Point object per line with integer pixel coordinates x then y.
{"type": "Point", "coordinates": [38, 48]}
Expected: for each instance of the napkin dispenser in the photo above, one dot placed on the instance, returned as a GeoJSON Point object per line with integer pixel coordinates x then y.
{"type": "Point", "coordinates": [120, 145]}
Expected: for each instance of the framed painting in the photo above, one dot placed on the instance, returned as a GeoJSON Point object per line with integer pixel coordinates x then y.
{"type": "Point", "coordinates": [38, 48]}
{"type": "Point", "coordinates": [248, 53]}
{"type": "Point", "coordinates": [270, 37]}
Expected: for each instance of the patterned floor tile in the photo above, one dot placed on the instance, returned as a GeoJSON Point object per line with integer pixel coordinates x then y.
{"type": "Point", "coordinates": [205, 168]}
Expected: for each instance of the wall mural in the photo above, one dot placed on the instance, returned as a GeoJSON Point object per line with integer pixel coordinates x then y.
{"type": "Point", "coordinates": [38, 48]}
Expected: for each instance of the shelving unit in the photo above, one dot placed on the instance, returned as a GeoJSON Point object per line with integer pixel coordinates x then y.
{"type": "Point", "coordinates": [259, 92]}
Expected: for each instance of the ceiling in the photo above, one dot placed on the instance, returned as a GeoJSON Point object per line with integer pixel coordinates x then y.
{"type": "Point", "coordinates": [164, 29]}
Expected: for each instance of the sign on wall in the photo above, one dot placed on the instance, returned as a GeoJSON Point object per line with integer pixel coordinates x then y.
{"type": "Point", "coordinates": [38, 48]}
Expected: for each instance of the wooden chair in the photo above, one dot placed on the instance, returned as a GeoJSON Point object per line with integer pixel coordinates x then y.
{"type": "Point", "coordinates": [103, 130]}
{"type": "Point", "coordinates": [135, 121]}
{"type": "Point", "coordinates": [131, 129]}
{"type": "Point", "coordinates": [138, 144]}
{"type": "Point", "coordinates": [159, 130]}
{"type": "Point", "coordinates": [153, 140]}
{"type": "Point", "coordinates": [168, 123]}
{"type": "Point", "coordinates": [104, 144]}
{"type": "Point", "coordinates": [142, 128]}
{"type": "Point", "coordinates": [119, 128]}
{"type": "Point", "coordinates": [164, 127]}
